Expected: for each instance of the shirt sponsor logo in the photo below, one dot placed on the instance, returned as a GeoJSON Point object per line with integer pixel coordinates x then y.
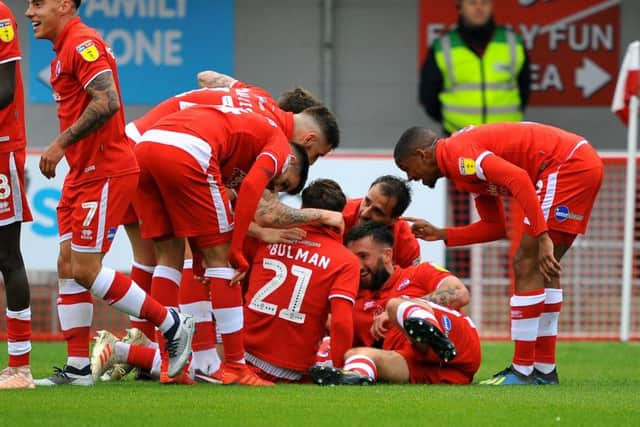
{"type": "Point", "coordinates": [6, 30]}
{"type": "Point", "coordinates": [497, 190]}
{"type": "Point", "coordinates": [88, 51]}
{"type": "Point", "coordinates": [467, 166]}
{"type": "Point", "coordinates": [111, 234]}
{"type": "Point", "coordinates": [562, 214]}
{"type": "Point", "coordinates": [446, 324]}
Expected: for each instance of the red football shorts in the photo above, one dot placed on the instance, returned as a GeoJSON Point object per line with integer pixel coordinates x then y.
{"type": "Point", "coordinates": [567, 193]}
{"type": "Point", "coordinates": [178, 197]}
{"type": "Point", "coordinates": [13, 195]}
{"type": "Point", "coordinates": [427, 367]}
{"type": "Point", "coordinates": [89, 214]}
{"type": "Point", "coordinates": [130, 216]}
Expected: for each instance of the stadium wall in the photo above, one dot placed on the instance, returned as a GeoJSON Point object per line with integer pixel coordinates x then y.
{"type": "Point", "coordinates": [278, 44]}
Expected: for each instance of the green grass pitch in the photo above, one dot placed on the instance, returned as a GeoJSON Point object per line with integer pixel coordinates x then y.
{"type": "Point", "coordinates": [600, 386]}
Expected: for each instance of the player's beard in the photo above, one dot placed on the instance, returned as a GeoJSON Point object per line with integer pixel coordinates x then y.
{"type": "Point", "coordinates": [379, 277]}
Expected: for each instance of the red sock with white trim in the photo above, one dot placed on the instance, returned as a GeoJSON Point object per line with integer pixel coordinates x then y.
{"type": "Point", "coordinates": [227, 309]}
{"type": "Point", "coordinates": [526, 308]}
{"type": "Point", "coordinates": [141, 274]}
{"type": "Point", "coordinates": [195, 300]}
{"type": "Point", "coordinates": [120, 291]}
{"type": "Point", "coordinates": [410, 309]}
{"type": "Point", "coordinates": [361, 364]}
{"type": "Point", "coordinates": [19, 337]}
{"type": "Point", "coordinates": [75, 312]}
{"type": "Point", "coordinates": [545, 360]}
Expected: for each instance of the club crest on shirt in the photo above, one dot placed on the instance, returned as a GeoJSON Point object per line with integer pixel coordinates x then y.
{"type": "Point", "coordinates": [403, 284]}
{"type": "Point", "coordinates": [88, 51]}
{"type": "Point", "coordinates": [6, 30]}
{"type": "Point", "coordinates": [466, 166]}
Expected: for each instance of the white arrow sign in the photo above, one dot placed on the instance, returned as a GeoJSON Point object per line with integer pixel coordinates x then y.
{"type": "Point", "coordinates": [44, 75]}
{"type": "Point", "coordinates": [590, 77]}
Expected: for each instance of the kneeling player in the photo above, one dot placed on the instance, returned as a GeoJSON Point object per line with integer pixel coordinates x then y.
{"type": "Point", "coordinates": [293, 287]}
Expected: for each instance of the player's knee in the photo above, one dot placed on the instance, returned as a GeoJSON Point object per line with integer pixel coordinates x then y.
{"type": "Point", "coordinates": [84, 273]}
{"type": "Point", "coordinates": [524, 265]}
{"type": "Point", "coordinates": [10, 262]}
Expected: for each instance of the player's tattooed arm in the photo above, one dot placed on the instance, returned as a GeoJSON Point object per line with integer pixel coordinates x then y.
{"type": "Point", "coordinates": [273, 213]}
{"type": "Point", "coordinates": [104, 103]}
{"type": "Point", "coordinates": [213, 79]}
{"type": "Point", "coordinates": [451, 293]}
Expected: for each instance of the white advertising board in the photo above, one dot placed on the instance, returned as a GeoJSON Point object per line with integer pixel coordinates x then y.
{"type": "Point", "coordinates": [354, 172]}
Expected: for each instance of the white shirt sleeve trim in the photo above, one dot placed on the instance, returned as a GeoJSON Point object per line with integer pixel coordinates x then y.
{"type": "Point", "coordinates": [479, 170]}
{"type": "Point", "coordinates": [15, 58]}
{"type": "Point", "coordinates": [348, 298]}
{"type": "Point", "coordinates": [96, 75]}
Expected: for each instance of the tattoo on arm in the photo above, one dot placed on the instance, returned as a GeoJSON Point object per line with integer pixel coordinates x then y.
{"type": "Point", "coordinates": [271, 212]}
{"type": "Point", "coordinates": [104, 104]}
{"type": "Point", "coordinates": [447, 297]}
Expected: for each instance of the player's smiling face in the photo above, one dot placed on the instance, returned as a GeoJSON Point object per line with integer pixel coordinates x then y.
{"type": "Point", "coordinates": [374, 259]}
{"type": "Point", "coordinates": [45, 17]}
{"type": "Point", "coordinates": [376, 207]}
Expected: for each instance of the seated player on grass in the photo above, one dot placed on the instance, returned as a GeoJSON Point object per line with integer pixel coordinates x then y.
{"type": "Point", "coordinates": [422, 341]}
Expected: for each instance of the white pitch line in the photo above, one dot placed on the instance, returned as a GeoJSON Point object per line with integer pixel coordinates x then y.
{"type": "Point", "coordinates": [582, 14]}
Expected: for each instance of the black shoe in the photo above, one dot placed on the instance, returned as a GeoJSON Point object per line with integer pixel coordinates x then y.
{"type": "Point", "coordinates": [143, 375]}
{"type": "Point", "coordinates": [68, 375]}
{"type": "Point", "coordinates": [328, 375]}
{"type": "Point", "coordinates": [423, 332]}
{"type": "Point", "coordinates": [510, 376]}
{"type": "Point", "coordinates": [546, 379]}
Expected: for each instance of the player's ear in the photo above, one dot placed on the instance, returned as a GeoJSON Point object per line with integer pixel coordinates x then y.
{"type": "Point", "coordinates": [309, 138]}
{"type": "Point", "coordinates": [388, 255]}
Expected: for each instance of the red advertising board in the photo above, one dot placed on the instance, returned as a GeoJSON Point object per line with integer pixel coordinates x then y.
{"type": "Point", "coordinates": [573, 45]}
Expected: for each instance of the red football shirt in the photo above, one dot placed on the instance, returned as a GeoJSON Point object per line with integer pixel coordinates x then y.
{"type": "Point", "coordinates": [406, 250]}
{"type": "Point", "coordinates": [81, 55]}
{"type": "Point", "coordinates": [12, 133]}
{"type": "Point", "coordinates": [289, 295]}
{"type": "Point", "coordinates": [248, 98]}
{"type": "Point", "coordinates": [235, 139]}
{"type": "Point", "coordinates": [415, 281]}
{"type": "Point", "coordinates": [505, 159]}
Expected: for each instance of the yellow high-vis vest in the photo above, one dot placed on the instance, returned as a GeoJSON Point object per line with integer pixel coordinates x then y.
{"type": "Point", "coordinates": [476, 89]}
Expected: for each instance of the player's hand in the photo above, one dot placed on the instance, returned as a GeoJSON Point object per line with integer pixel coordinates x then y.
{"type": "Point", "coordinates": [333, 219]}
{"type": "Point", "coordinates": [239, 262]}
{"type": "Point", "coordinates": [549, 266]}
{"type": "Point", "coordinates": [425, 230]}
{"type": "Point", "coordinates": [380, 326]}
{"type": "Point", "coordinates": [282, 235]}
{"type": "Point", "coordinates": [50, 159]}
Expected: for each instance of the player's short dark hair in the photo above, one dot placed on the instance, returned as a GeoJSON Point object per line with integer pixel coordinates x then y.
{"type": "Point", "coordinates": [327, 123]}
{"type": "Point", "coordinates": [413, 138]}
{"type": "Point", "coordinates": [398, 188]}
{"type": "Point", "coordinates": [297, 99]}
{"type": "Point", "coordinates": [302, 165]}
{"type": "Point", "coordinates": [380, 233]}
{"type": "Point", "coordinates": [77, 3]}
{"type": "Point", "coordinates": [324, 194]}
